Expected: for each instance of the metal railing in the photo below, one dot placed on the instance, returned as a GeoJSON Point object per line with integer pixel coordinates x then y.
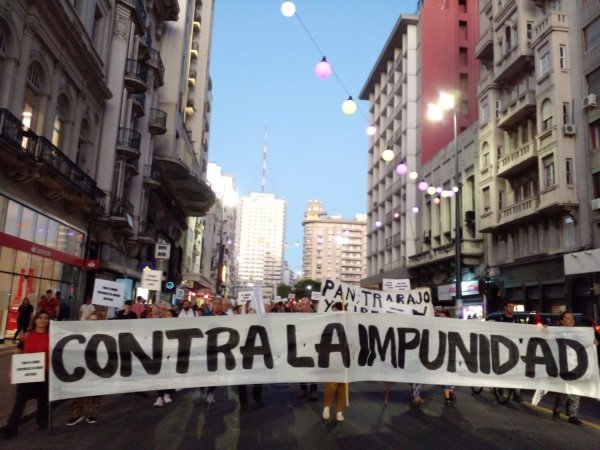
{"type": "Point", "coordinates": [129, 138]}
{"type": "Point", "coordinates": [120, 207]}
{"type": "Point", "coordinates": [22, 140]}
{"type": "Point", "coordinates": [150, 173]}
{"type": "Point", "coordinates": [156, 62]}
{"type": "Point", "coordinates": [158, 117]}
{"type": "Point", "coordinates": [136, 69]}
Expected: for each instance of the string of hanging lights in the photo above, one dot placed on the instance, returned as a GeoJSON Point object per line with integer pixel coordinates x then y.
{"type": "Point", "coordinates": [323, 70]}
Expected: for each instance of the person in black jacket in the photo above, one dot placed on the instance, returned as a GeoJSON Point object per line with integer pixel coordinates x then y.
{"type": "Point", "coordinates": [24, 317]}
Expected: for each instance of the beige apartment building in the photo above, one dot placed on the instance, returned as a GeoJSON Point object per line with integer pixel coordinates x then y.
{"type": "Point", "coordinates": [104, 109]}
{"type": "Point", "coordinates": [334, 247]}
{"type": "Point", "coordinates": [537, 101]}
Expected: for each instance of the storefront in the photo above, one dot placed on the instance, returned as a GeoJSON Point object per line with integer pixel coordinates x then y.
{"type": "Point", "coordinates": [37, 252]}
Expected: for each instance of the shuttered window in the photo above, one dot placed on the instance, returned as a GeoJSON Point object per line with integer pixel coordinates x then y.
{"type": "Point", "coordinates": [593, 82]}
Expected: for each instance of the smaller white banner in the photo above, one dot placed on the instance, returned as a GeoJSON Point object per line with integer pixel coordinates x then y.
{"type": "Point", "coordinates": [28, 368]}
{"type": "Point", "coordinates": [413, 301]}
{"type": "Point", "coordinates": [151, 280]}
{"type": "Point", "coordinates": [390, 284]}
{"type": "Point", "coordinates": [179, 293]}
{"type": "Point", "coordinates": [108, 293]}
{"type": "Point", "coordinates": [315, 295]}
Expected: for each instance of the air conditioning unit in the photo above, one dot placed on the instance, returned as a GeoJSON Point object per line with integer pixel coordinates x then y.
{"type": "Point", "coordinates": [589, 101]}
{"type": "Point", "coordinates": [595, 204]}
{"type": "Point", "coordinates": [427, 237]}
{"type": "Point", "coordinates": [569, 129]}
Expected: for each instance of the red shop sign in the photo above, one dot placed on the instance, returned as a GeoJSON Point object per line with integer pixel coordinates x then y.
{"type": "Point", "coordinates": [7, 240]}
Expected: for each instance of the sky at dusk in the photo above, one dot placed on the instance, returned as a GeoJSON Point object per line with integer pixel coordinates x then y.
{"type": "Point", "coordinates": [262, 68]}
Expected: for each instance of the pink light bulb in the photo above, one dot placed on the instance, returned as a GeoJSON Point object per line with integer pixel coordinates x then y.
{"type": "Point", "coordinates": [436, 201]}
{"type": "Point", "coordinates": [323, 69]}
{"type": "Point", "coordinates": [423, 185]}
{"type": "Point", "coordinates": [401, 168]}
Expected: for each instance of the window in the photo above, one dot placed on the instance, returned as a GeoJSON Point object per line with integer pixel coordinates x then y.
{"type": "Point", "coordinates": [508, 38]}
{"type": "Point", "coordinates": [464, 84]}
{"type": "Point", "coordinates": [462, 30]}
{"type": "Point", "coordinates": [548, 163]}
{"type": "Point", "coordinates": [591, 35]}
{"type": "Point", "coordinates": [463, 56]}
{"type": "Point", "coordinates": [562, 51]}
{"type": "Point", "coordinates": [498, 109]}
{"type": "Point", "coordinates": [595, 134]}
{"type": "Point", "coordinates": [593, 82]}
{"type": "Point", "coordinates": [596, 182]}
{"type": "Point", "coordinates": [500, 200]}
{"type": "Point", "coordinates": [485, 158]}
{"type": "Point", "coordinates": [484, 113]}
{"type": "Point", "coordinates": [556, 5]}
{"type": "Point", "coordinates": [544, 60]}
{"type": "Point", "coordinates": [569, 170]}
{"type": "Point", "coordinates": [529, 30]}
{"type": "Point", "coordinates": [499, 152]}
{"type": "Point", "coordinates": [546, 115]}
{"type": "Point", "coordinates": [486, 199]}
{"type": "Point", "coordinates": [565, 113]}
{"type": "Point", "coordinates": [59, 120]}
{"type": "Point", "coordinates": [462, 6]}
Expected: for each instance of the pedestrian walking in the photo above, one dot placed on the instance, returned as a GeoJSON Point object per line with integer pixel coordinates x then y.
{"type": "Point", "coordinates": [24, 317]}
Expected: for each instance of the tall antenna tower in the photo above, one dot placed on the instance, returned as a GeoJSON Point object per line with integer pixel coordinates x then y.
{"type": "Point", "coordinates": [263, 181]}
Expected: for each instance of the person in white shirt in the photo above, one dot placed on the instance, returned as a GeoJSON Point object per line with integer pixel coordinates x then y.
{"type": "Point", "coordinates": [186, 310]}
{"type": "Point", "coordinates": [86, 309]}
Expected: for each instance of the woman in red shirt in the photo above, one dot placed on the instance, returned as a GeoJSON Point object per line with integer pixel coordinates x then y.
{"type": "Point", "coordinates": [35, 341]}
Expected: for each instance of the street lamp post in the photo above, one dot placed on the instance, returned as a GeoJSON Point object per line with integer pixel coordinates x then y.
{"type": "Point", "coordinates": [447, 102]}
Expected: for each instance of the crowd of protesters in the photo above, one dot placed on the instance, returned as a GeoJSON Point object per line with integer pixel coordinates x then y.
{"type": "Point", "coordinates": [34, 337]}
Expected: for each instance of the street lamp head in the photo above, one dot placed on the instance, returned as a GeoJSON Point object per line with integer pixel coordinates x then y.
{"type": "Point", "coordinates": [387, 155]}
{"type": "Point", "coordinates": [446, 101]}
{"type": "Point", "coordinates": [288, 9]}
{"type": "Point", "coordinates": [434, 113]}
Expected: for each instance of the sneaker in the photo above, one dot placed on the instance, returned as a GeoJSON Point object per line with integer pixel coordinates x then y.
{"type": "Point", "coordinates": [74, 421]}
{"type": "Point", "coordinates": [159, 402]}
{"type": "Point", "coordinates": [575, 421]}
{"type": "Point", "coordinates": [326, 413]}
{"type": "Point", "coordinates": [210, 399]}
{"type": "Point", "coordinates": [91, 419]}
{"type": "Point", "coordinates": [314, 396]}
{"type": "Point", "coordinates": [167, 398]}
{"type": "Point", "coordinates": [339, 416]}
{"type": "Point", "coordinates": [301, 394]}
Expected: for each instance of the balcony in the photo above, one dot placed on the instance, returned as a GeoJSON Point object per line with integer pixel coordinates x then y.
{"type": "Point", "coordinates": [520, 109]}
{"type": "Point", "coordinates": [180, 175]}
{"type": "Point", "coordinates": [138, 104]}
{"type": "Point", "coordinates": [151, 177]}
{"type": "Point", "coordinates": [515, 61]}
{"type": "Point", "coordinates": [27, 157]}
{"type": "Point", "coordinates": [128, 144]}
{"type": "Point", "coordinates": [517, 160]}
{"type": "Point", "coordinates": [121, 214]}
{"type": "Point", "coordinates": [155, 63]}
{"type": "Point", "coordinates": [136, 76]}
{"type": "Point", "coordinates": [555, 21]}
{"type": "Point", "coordinates": [147, 233]}
{"type": "Point", "coordinates": [484, 49]}
{"type": "Point", "coordinates": [519, 211]}
{"type": "Point", "coordinates": [167, 10]}
{"type": "Point", "coordinates": [157, 123]}
{"type": "Point", "coordinates": [140, 17]}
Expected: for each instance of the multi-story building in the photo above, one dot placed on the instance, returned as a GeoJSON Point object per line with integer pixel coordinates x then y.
{"type": "Point", "coordinates": [260, 237]}
{"type": "Point", "coordinates": [537, 96]}
{"type": "Point", "coordinates": [409, 234]}
{"type": "Point", "coordinates": [218, 244]}
{"type": "Point", "coordinates": [96, 140]}
{"type": "Point", "coordinates": [333, 247]}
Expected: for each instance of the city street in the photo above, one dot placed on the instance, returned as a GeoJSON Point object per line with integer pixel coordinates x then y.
{"type": "Point", "coordinates": [130, 421]}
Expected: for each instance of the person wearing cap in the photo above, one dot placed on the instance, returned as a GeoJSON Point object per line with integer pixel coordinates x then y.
{"type": "Point", "coordinates": [126, 312]}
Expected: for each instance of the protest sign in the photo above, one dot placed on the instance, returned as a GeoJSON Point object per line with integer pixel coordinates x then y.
{"type": "Point", "coordinates": [151, 280]}
{"type": "Point", "coordinates": [108, 357]}
{"type": "Point", "coordinates": [108, 293]}
{"type": "Point", "coordinates": [392, 284]}
{"type": "Point", "coordinates": [28, 368]}
{"type": "Point", "coordinates": [244, 296]}
{"type": "Point", "coordinates": [414, 301]}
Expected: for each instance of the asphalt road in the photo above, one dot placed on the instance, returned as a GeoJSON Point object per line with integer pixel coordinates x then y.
{"type": "Point", "coordinates": [286, 422]}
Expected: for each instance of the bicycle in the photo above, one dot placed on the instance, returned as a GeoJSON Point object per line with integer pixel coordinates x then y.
{"type": "Point", "coordinates": [502, 395]}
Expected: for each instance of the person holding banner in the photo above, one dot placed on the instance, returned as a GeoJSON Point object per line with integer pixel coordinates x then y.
{"type": "Point", "coordinates": [37, 340]}
{"type": "Point", "coordinates": [216, 310]}
{"type": "Point", "coordinates": [570, 401]}
{"type": "Point", "coordinates": [337, 390]}
{"type": "Point", "coordinates": [306, 307]}
{"type": "Point", "coordinates": [89, 405]}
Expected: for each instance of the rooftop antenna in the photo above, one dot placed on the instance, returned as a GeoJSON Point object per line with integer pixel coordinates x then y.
{"type": "Point", "coordinates": [264, 161]}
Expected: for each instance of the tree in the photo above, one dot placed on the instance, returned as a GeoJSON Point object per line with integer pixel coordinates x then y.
{"type": "Point", "coordinates": [283, 290]}
{"type": "Point", "coordinates": [301, 288]}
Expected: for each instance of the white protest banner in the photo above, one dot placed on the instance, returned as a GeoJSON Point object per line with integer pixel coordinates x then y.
{"type": "Point", "coordinates": [244, 296]}
{"type": "Point", "coordinates": [315, 295]}
{"type": "Point", "coordinates": [109, 357]}
{"type": "Point", "coordinates": [415, 301]}
{"type": "Point", "coordinates": [28, 368]}
{"type": "Point", "coordinates": [151, 280]}
{"type": "Point", "coordinates": [108, 293]}
{"type": "Point", "coordinates": [391, 284]}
